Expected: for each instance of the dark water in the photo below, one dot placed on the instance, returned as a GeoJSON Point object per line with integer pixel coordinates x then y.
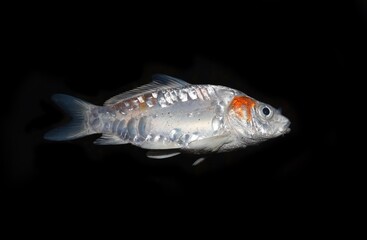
{"type": "Point", "coordinates": [302, 57]}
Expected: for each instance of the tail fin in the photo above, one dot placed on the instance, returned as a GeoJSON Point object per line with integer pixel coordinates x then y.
{"type": "Point", "coordinates": [78, 126]}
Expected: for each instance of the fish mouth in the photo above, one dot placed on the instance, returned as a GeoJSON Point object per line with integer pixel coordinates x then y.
{"type": "Point", "coordinates": [284, 129]}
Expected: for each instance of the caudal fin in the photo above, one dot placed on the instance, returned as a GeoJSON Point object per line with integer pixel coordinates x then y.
{"type": "Point", "coordinates": [78, 126]}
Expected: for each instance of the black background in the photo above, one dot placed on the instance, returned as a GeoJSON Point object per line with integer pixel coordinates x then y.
{"type": "Point", "coordinates": [305, 57]}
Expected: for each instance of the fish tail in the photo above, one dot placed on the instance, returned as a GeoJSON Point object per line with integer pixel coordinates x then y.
{"type": "Point", "coordinates": [78, 126]}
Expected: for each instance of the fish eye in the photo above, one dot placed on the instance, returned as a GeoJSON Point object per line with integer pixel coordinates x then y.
{"type": "Point", "coordinates": [265, 112]}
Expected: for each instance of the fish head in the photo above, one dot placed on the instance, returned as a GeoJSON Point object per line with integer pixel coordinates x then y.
{"type": "Point", "coordinates": [255, 121]}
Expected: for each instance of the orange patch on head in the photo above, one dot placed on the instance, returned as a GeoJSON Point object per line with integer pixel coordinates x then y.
{"type": "Point", "coordinates": [240, 102]}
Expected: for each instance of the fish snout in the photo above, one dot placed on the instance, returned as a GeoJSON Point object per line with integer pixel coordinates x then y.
{"type": "Point", "coordinates": [285, 126]}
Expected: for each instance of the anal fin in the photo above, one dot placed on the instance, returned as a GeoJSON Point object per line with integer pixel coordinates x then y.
{"type": "Point", "coordinates": [109, 139]}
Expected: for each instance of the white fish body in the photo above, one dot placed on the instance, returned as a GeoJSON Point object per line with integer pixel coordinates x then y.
{"type": "Point", "coordinates": [173, 116]}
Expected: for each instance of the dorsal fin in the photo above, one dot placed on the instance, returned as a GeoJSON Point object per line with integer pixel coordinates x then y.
{"type": "Point", "coordinates": [166, 80]}
{"type": "Point", "coordinates": [160, 81]}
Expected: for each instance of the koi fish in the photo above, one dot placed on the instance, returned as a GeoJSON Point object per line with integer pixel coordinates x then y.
{"type": "Point", "coordinates": [169, 116]}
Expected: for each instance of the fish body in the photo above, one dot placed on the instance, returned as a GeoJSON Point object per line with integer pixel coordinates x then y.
{"type": "Point", "coordinates": [173, 116]}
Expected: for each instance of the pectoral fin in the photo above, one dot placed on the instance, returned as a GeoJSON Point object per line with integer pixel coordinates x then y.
{"type": "Point", "coordinates": [197, 161]}
{"type": "Point", "coordinates": [211, 144]}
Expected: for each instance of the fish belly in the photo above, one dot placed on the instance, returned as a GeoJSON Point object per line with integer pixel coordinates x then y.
{"type": "Point", "coordinates": [177, 126]}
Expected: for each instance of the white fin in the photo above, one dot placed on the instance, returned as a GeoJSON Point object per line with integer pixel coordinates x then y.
{"type": "Point", "coordinates": [77, 127]}
{"type": "Point", "coordinates": [164, 79]}
{"type": "Point", "coordinates": [107, 139]}
{"type": "Point", "coordinates": [161, 154]}
{"type": "Point", "coordinates": [211, 144]}
{"type": "Point", "coordinates": [198, 161]}
{"type": "Point", "coordinates": [160, 82]}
